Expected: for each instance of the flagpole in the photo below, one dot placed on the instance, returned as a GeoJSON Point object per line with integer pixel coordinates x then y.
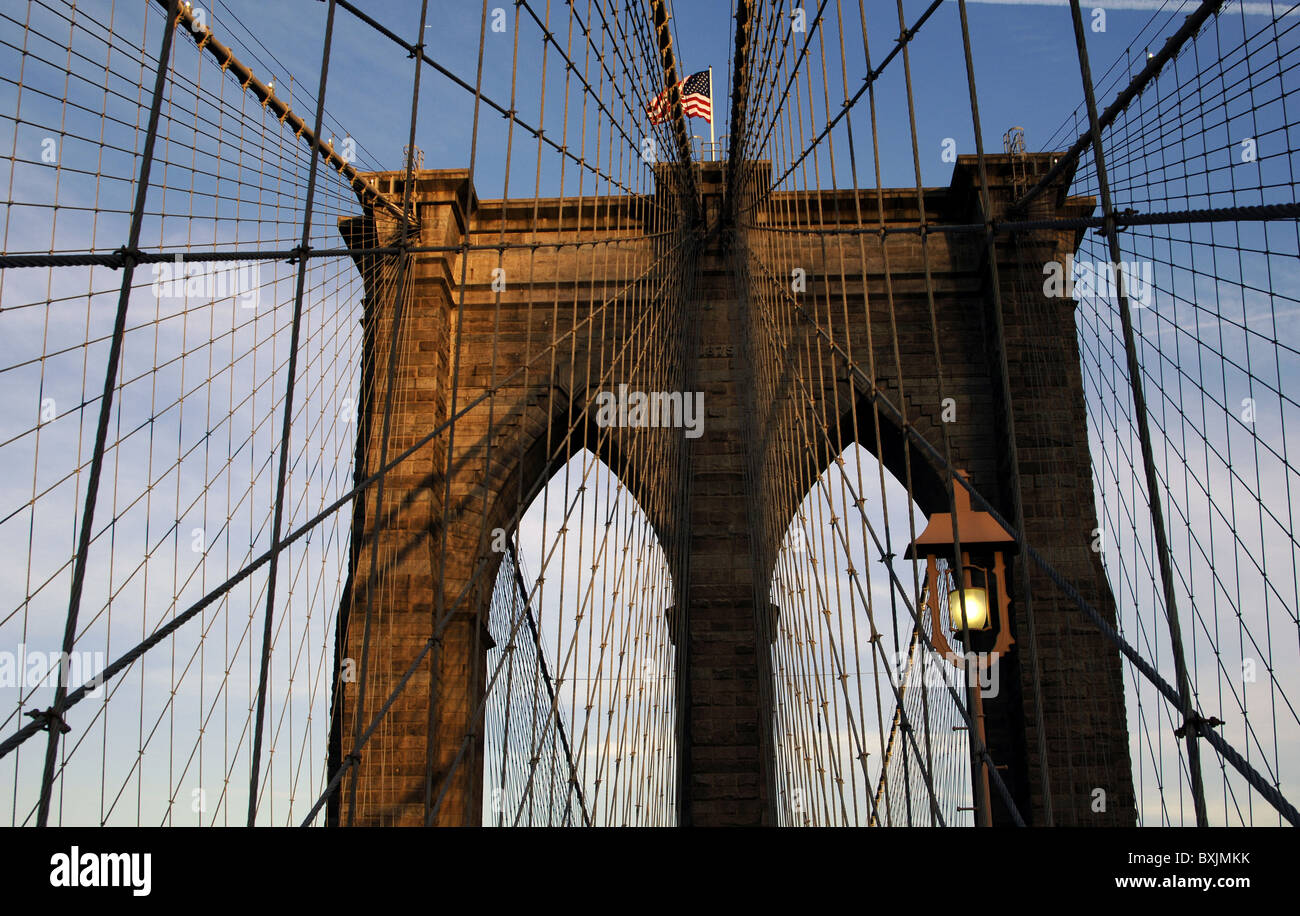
{"type": "Point", "coordinates": [713, 150]}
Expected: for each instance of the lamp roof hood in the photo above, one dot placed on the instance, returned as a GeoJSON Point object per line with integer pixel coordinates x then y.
{"type": "Point", "coordinates": [975, 528]}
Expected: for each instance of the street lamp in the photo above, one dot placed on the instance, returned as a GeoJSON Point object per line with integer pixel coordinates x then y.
{"type": "Point", "coordinates": [978, 602]}
{"type": "Point", "coordinates": [977, 605]}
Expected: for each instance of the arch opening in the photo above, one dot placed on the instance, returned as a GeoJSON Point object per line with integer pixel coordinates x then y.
{"type": "Point", "coordinates": [849, 666]}
{"type": "Point", "coordinates": [580, 712]}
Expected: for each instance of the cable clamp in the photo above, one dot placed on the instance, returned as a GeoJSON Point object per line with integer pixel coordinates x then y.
{"type": "Point", "coordinates": [1117, 220]}
{"type": "Point", "coordinates": [1198, 723]}
{"type": "Point", "coordinates": [48, 716]}
{"type": "Point", "coordinates": [130, 256]}
{"type": "Point", "coordinates": [1121, 218]}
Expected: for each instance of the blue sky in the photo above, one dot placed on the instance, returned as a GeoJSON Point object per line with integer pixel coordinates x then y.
{"type": "Point", "coordinates": [1024, 58]}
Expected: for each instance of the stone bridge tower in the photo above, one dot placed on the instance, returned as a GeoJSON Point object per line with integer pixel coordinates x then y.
{"type": "Point", "coordinates": [428, 554]}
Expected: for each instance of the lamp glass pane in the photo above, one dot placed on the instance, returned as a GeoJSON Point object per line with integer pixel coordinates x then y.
{"type": "Point", "coordinates": [977, 609]}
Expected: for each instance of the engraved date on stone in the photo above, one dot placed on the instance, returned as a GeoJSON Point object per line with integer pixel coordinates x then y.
{"type": "Point", "coordinates": [719, 350]}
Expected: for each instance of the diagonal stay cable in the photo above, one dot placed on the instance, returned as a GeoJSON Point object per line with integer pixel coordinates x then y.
{"type": "Point", "coordinates": [205, 40]}
{"type": "Point", "coordinates": [1198, 722]}
{"type": "Point", "coordinates": [539, 133]}
{"type": "Point", "coordinates": [1144, 430]}
{"type": "Point", "coordinates": [287, 425]}
{"type": "Point", "coordinates": [550, 687]}
{"type": "Point", "coordinates": [444, 620]}
{"type": "Point", "coordinates": [980, 751]}
{"type": "Point", "coordinates": [52, 718]}
{"type": "Point", "coordinates": [352, 759]}
{"type": "Point", "coordinates": [117, 259]}
{"type": "Point", "coordinates": [1152, 69]}
{"type": "Point", "coordinates": [127, 658]}
{"type": "Point", "coordinates": [867, 82]}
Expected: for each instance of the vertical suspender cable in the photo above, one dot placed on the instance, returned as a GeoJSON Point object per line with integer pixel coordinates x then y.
{"type": "Point", "coordinates": [1017, 504]}
{"type": "Point", "coordinates": [1191, 726]}
{"type": "Point", "coordinates": [405, 225]}
{"type": "Point", "coordinates": [282, 473]}
{"type": "Point", "coordinates": [54, 715]}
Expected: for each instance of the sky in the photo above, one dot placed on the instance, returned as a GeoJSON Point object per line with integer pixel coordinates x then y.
{"type": "Point", "coordinates": [1036, 86]}
{"type": "Point", "coordinates": [216, 470]}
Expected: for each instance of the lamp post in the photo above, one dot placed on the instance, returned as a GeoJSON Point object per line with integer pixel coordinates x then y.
{"type": "Point", "coordinates": [969, 599]}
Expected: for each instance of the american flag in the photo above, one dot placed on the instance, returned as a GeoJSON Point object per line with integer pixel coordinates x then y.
{"type": "Point", "coordinates": [695, 100]}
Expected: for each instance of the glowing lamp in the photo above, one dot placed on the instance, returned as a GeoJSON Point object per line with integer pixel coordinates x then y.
{"type": "Point", "coordinates": [967, 595]}
{"type": "Point", "coordinates": [968, 609]}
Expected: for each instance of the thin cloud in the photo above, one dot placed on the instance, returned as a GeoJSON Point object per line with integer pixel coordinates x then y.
{"type": "Point", "coordinates": [1258, 8]}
